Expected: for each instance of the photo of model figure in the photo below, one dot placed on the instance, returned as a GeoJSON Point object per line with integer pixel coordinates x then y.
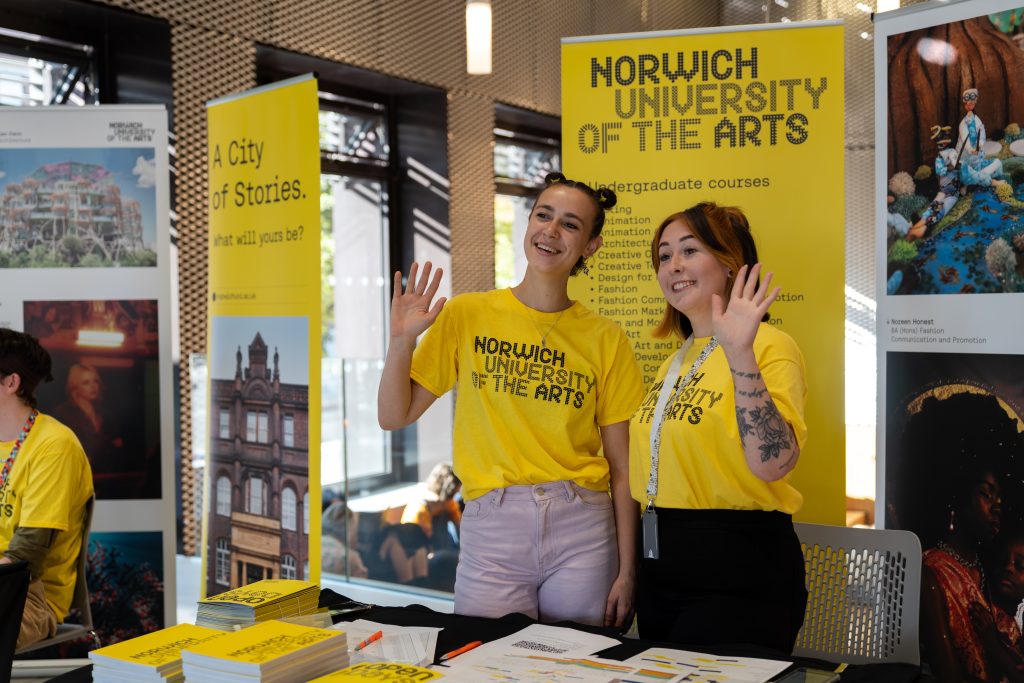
{"type": "Point", "coordinates": [955, 161]}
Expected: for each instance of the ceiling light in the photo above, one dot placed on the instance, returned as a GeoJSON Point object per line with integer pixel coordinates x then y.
{"type": "Point", "coordinates": [478, 36]}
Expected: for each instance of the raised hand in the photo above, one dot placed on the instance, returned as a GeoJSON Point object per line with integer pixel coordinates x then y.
{"type": "Point", "coordinates": [735, 325]}
{"type": "Point", "coordinates": [411, 309]}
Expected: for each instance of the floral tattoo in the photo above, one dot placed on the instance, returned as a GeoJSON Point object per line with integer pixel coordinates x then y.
{"type": "Point", "coordinates": [767, 425]}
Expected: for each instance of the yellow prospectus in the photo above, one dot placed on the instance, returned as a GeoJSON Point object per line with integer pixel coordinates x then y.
{"type": "Point", "coordinates": [750, 117]}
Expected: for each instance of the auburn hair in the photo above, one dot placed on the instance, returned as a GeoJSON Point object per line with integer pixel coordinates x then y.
{"type": "Point", "coordinates": [724, 230]}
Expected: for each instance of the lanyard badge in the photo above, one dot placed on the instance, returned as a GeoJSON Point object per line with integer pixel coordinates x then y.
{"type": "Point", "coordinates": [649, 527]}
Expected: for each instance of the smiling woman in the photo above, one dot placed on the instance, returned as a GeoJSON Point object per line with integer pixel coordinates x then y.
{"type": "Point", "coordinates": [545, 388]}
{"type": "Point", "coordinates": [712, 443]}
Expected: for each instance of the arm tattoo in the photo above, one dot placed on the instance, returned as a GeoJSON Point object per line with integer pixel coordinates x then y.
{"type": "Point", "coordinates": [765, 423]}
{"type": "Point", "coordinates": [756, 393]}
{"type": "Point", "coordinates": [741, 421]}
{"type": "Point", "coordinates": [746, 375]}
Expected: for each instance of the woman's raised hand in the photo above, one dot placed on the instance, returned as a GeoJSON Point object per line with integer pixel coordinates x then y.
{"type": "Point", "coordinates": [411, 309]}
{"type": "Point", "coordinates": [735, 325]}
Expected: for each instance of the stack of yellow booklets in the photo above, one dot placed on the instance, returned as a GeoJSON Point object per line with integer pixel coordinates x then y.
{"type": "Point", "coordinates": [260, 601]}
{"type": "Point", "coordinates": [153, 657]}
{"type": "Point", "coordinates": [380, 671]}
{"type": "Point", "coordinates": [271, 651]}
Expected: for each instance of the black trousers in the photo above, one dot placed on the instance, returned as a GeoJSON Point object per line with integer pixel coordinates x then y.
{"type": "Point", "coordinates": [723, 576]}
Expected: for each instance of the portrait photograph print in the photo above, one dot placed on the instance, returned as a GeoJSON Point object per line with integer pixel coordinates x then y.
{"type": "Point", "coordinates": [106, 387]}
{"type": "Point", "coordinates": [954, 465]}
{"type": "Point", "coordinates": [258, 457]}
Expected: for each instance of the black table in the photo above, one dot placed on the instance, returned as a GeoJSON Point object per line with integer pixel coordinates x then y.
{"type": "Point", "coordinates": [459, 630]}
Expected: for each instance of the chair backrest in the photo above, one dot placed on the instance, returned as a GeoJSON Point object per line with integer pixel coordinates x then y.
{"type": "Point", "coordinates": [864, 593]}
{"type": "Point", "coordinates": [80, 598]}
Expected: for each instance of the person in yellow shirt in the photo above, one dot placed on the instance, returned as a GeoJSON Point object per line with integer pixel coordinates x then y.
{"type": "Point", "coordinates": [712, 443]}
{"type": "Point", "coordinates": [544, 391]}
{"type": "Point", "coordinates": [45, 483]}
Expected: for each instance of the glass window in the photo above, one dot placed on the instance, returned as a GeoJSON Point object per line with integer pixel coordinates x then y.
{"type": "Point", "coordinates": [256, 497]}
{"type": "Point", "coordinates": [223, 574]}
{"type": "Point", "coordinates": [360, 174]}
{"type": "Point", "coordinates": [288, 431]}
{"type": "Point", "coordinates": [524, 161]}
{"type": "Point", "coordinates": [225, 423]}
{"type": "Point", "coordinates": [355, 263]}
{"type": "Point", "coordinates": [288, 511]}
{"type": "Point", "coordinates": [223, 496]}
{"type": "Point", "coordinates": [256, 426]}
{"type": "Point", "coordinates": [47, 72]}
{"type": "Point", "coordinates": [353, 130]}
{"type": "Point", "coordinates": [261, 427]}
{"type": "Point", "coordinates": [511, 213]}
{"type": "Point", "coordinates": [287, 567]}
{"type": "Point", "coordinates": [521, 161]}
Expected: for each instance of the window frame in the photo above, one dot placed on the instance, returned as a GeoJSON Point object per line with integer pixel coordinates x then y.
{"type": "Point", "coordinates": [288, 431]}
{"type": "Point", "coordinates": [80, 56]}
{"type": "Point", "coordinates": [289, 509]}
{"type": "Point", "coordinates": [224, 423]}
{"type": "Point", "coordinates": [289, 567]}
{"type": "Point", "coordinates": [222, 562]}
{"type": "Point", "coordinates": [260, 490]}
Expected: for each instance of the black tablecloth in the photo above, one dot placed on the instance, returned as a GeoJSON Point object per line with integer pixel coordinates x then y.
{"type": "Point", "coordinates": [459, 630]}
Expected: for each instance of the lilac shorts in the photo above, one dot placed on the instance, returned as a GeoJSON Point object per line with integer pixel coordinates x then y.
{"type": "Point", "coordinates": [546, 550]}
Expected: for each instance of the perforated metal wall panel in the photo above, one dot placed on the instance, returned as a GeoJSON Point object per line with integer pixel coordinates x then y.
{"type": "Point", "coordinates": [206, 64]}
{"type": "Point", "coordinates": [471, 160]}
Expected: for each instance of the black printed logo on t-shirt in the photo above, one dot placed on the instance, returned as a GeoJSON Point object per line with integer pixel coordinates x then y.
{"type": "Point", "coordinates": [689, 405]}
{"type": "Point", "coordinates": [530, 371]}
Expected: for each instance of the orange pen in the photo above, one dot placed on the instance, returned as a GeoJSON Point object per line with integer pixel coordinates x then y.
{"type": "Point", "coordinates": [372, 639]}
{"type": "Point", "coordinates": [465, 648]}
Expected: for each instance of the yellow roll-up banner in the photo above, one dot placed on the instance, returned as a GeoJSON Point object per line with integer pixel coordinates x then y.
{"type": "Point", "coordinates": [263, 337]}
{"type": "Point", "coordinates": [745, 116]}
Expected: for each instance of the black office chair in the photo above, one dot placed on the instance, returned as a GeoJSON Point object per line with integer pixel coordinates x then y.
{"type": "Point", "coordinates": [14, 579]}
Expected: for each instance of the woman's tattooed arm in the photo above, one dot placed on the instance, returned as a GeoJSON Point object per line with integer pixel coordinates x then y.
{"type": "Point", "coordinates": [768, 442]}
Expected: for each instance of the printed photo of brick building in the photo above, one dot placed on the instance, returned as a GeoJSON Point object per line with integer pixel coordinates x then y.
{"type": "Point", "coordinates": [258, 511]}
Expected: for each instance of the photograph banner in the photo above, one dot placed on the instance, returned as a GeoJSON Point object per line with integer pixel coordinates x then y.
{"type": "Point", "coordinates": [264, 338]}
{"type": "Point", "coordinates": [949, 249]}
{"type": "Point", "coordinates": [85, 267]}
{"type": "Point", "coordinates": [743, 116]}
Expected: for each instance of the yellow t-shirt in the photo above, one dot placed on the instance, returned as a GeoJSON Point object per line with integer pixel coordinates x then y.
{"type": "Point", "coordinates": [526, 413]}
{"type": "Point", "coordinates": [702, 465]}
{"type": "Point", "coordinates": [47, 488]}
